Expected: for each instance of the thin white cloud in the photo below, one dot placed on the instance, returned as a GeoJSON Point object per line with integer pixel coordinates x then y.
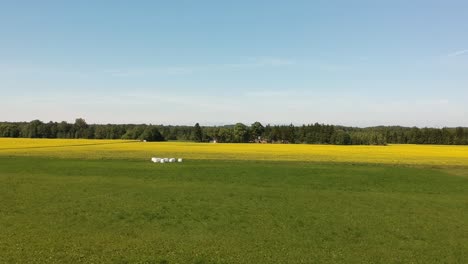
{"type": "Point", "coordinates": [457, 53]}
{"type": "Point", "coordinates": [248, 63]}
{"type": "Point", "coordinates": [243, 64]}
{"type": "Point", "coordinates": [272, 61]}
{"type": "Point", "coordinates": [169, 70]}
{"type": "Point", "coordinates": [268, 93]}
{"type": "Point", "coordinates": [44, 70]}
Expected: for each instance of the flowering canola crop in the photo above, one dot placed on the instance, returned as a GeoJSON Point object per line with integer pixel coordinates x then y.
{"type": "Point", "coordinates": [121, 149]}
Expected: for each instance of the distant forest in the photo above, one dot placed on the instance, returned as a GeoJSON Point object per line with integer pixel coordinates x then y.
{"type": "Point", "coordinates": [240, 133]}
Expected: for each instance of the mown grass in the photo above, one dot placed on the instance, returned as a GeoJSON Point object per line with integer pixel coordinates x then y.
{"type": "Point", "coordinates": [73, 210]}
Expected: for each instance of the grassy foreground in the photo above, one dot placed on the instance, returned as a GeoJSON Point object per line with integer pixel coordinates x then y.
{"type": "Point", "coordinates": [123, 209]}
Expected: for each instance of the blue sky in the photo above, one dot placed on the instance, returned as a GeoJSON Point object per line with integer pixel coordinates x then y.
{"type": "Point", "coordinates": [359, 63]}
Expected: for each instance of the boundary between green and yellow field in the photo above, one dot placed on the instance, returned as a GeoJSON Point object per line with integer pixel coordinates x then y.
{"type": "Point", "coordinates": [425, 155]}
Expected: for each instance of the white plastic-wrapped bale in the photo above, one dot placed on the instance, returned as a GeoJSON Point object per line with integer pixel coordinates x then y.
{"type": "Point", "coordinates": [172, 160]}
{"type": "Point", "coordinates": [179, 160]}
{"type": "Point", "coordinates": [162, 161]}
{"type": "Point", "coordinates": [153, 159]}
{"type": "Point", "coordinates": [166, 159]}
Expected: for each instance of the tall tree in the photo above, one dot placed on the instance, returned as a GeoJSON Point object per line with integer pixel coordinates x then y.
{"type": "Point", "coordinates": [241, 134]}
{"type": "Point", "coordinates": [256, 131]}
{"type": "Point", "coordinates": [80, 127]}
{"type": "Point", "coordinates": [151, 133]}
{"type": "Point", "coordinates": [459, 136]}
{"type": "Point", "coordinates": [197, 133]}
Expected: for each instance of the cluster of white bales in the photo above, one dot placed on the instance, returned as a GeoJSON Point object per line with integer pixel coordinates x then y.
{"type": "Point", "coordinates": [164, 160]}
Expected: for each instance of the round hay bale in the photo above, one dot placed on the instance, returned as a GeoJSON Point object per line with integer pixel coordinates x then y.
{"type": "Point", "coordinates": [179, 160]}
{"type": "Point", "coordinates": [171, 160]}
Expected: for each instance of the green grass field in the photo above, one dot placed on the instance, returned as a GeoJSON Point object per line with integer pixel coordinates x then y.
{"type": "Point", "coordinates": [72, 210]}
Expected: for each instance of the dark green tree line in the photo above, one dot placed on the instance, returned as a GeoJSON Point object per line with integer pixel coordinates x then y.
{"type": "Point", "coordinates": [240, 133]}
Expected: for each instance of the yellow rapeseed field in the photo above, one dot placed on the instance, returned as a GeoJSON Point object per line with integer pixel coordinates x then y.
{"type": "Point", "coordinates": [120, 149]}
